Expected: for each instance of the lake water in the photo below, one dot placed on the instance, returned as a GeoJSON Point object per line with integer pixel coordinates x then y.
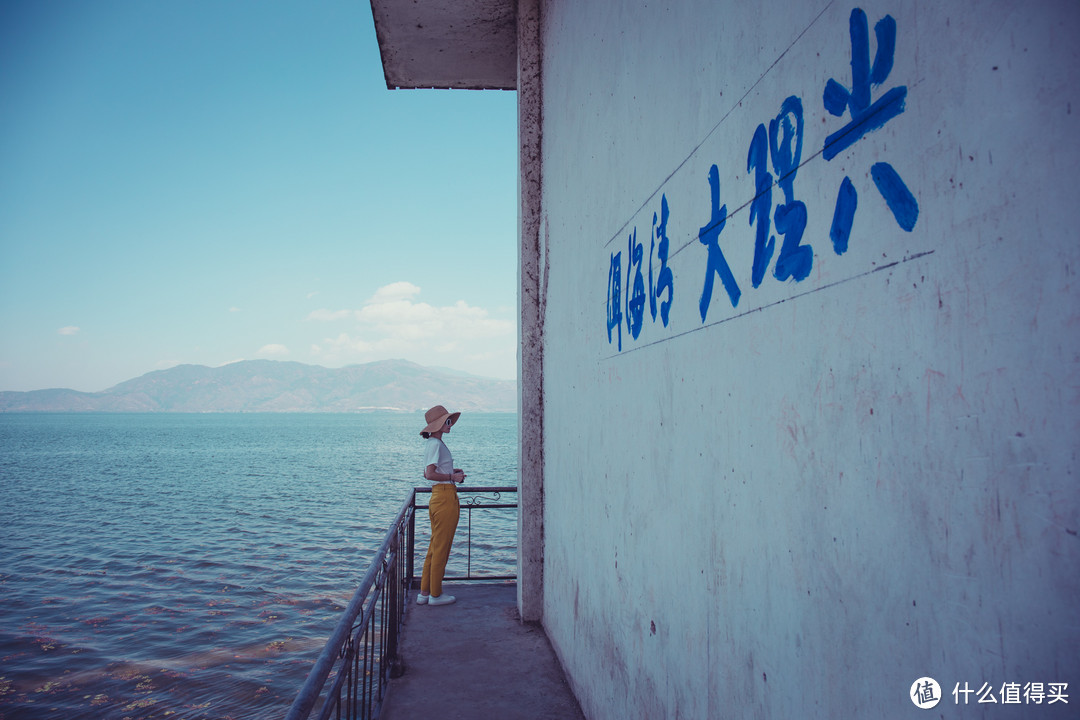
{"type": "Point", "coordinates": [192, 566]}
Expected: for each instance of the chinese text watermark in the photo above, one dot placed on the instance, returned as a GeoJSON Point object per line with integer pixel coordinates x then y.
{"type": "Point", "coordinates": [926, 693]}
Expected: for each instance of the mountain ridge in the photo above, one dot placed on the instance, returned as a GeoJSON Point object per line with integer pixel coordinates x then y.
{"type": "Point", "coordinates": [280, 386]}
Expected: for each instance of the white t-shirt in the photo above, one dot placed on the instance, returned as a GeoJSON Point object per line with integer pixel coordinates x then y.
{"type": "Point", "coordinates": [436, 453]}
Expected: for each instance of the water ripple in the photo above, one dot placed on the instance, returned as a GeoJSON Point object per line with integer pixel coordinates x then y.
{"type": "Point", "coordinates": [192, 566]}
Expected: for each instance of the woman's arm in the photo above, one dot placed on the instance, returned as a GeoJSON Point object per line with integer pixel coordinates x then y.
{"type": "Point", "coordinates": [430, 473]}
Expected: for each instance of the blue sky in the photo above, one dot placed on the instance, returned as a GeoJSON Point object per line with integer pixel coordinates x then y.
{"type": "Point", "coordinates": [206, 182]}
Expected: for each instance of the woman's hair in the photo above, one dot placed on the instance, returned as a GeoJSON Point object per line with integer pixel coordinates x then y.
{"type": "Point", "coordinates": [425, 435]}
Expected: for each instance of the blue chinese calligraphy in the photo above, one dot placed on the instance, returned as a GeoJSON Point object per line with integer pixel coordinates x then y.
{"type": "Point", "coordinates": [846, 203]}
{"type": "Point", "coordinates": [783, 143]}
{"type": "Point", "coordinates": [614, 297]}
{"type": "Point", "coordinates": [665, 281]}
{"type": "Point", "coordinates": [866, 117]}
{"type": "Point", "coordinates": [761, 206]}
{"type": "Point", "coordinates": [899, 199]}
{"type": "Point", "coordinates": [631, 305]}
{"type": "Point", "coordinates": [795, 259]}
{"type": "Point", "coordinates": [778, 220]}
{"type": "Point", "coordinates": [635, 293]}
{"type": "Point", "coordinates": [709, 236]}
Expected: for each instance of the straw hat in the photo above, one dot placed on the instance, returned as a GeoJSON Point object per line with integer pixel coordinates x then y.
{"type": "Point", "coordinates": [436, 418]}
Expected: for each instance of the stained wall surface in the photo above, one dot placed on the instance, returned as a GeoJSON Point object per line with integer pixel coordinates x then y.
{"type": "Point", "coordinates": [811, 355]}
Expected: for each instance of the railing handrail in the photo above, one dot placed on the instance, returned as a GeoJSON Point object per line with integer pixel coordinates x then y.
{"type": "Point", "coordinates": [309, 693]}
{"type": "Point", "coordinates": [341, 643]}
{"type": "Point", "coordinates": [468, 506]}
{"type": "Point", "coordinates": [478, 488]}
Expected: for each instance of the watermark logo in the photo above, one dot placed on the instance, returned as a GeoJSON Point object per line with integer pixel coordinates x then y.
{"type": "Point", "coordinates": [925, 693]}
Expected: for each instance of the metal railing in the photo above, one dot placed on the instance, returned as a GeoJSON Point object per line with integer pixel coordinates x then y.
{"type": "Point", "coordinates": [352, 672]}
{"type": "Point", "coordinates": [475, 501]}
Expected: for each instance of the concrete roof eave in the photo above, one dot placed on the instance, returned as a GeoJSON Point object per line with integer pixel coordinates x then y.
{"type": "Point", "coordinates": [466, 44]}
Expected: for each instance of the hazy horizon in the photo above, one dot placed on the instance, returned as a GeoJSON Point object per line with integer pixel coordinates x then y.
{"type": "Point", "coordinates": [436, 368]}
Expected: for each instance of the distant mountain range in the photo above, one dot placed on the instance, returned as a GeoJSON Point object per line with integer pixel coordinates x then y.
{"type": "Point", "coordinates": [275, 386]}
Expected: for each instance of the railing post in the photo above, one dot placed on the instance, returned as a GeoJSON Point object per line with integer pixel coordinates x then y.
{"type": "Point", "coordinates": [410, 570]}
{"type": "Point", "coordinates": [393, 590]}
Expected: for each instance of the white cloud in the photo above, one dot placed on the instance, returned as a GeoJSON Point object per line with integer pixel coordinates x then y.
{"type": "Point", "coordinates": [69, 330]}
{"type": "Point", "coordinates": [272, 350]}
{"type": "Point", "coordinates": [392, 323]}
{"type": "Point", "coordinates": [392, 311]}
{"type": "Point", "coordinates": [235, 309]}
{"type": "Point", "coordinates": [395, 291]}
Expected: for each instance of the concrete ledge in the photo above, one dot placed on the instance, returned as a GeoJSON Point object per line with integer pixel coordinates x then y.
{"type": "Point", "coordinates": [469, 44]}
{"type": "Point", "coordinates": [475, 659]}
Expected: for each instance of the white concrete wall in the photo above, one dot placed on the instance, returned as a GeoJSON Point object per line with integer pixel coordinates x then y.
{"type": "Point", "coordinates": [800, 504]}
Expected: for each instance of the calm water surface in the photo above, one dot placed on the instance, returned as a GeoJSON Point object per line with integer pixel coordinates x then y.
{"type": "Point", "coordinates": [192, 566]}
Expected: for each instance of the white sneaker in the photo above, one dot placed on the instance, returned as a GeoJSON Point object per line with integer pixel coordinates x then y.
{"type": "Point", "coordinates": [443, 599]}
{"type": "Point", "coordinates": [422, 599]}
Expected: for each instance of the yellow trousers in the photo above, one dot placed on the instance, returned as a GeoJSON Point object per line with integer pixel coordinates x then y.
{"type": "Point", "coordinates": [444, 512]}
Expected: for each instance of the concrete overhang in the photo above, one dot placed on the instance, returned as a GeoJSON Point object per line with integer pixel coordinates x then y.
{"type": "Point", "coordinates": [466, 44]}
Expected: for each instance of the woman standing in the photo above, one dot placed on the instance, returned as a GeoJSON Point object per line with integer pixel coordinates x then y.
{"type": "Point", "coordinates": [443, 508]}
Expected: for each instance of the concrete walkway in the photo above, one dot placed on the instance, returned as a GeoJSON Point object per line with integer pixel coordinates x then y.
{"type": "Point", "coordinates": [475, 660]}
